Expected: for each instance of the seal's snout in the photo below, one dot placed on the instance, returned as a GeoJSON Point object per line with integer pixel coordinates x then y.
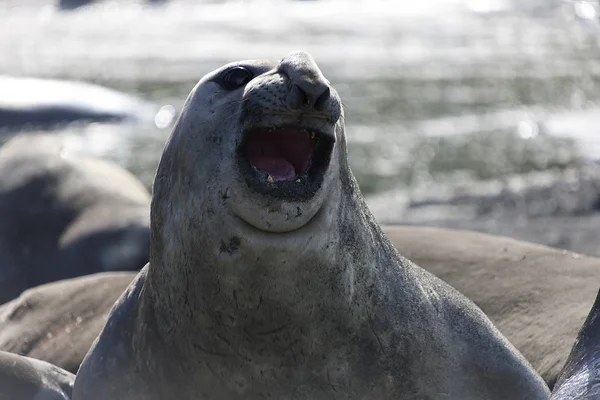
{"type": "Point", "coordinates": [299, 98]}
{"type": "Point", "coordinates": [308, 88]}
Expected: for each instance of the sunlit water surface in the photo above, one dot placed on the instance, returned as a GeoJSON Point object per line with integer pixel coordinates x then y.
{"type": "Point", "coordinates": [442, 97]}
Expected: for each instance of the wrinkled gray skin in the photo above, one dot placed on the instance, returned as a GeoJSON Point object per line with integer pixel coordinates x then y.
{"type": "Point", "coordinates": [250, 296]}
{"type": "Point", "coordinates": [65, 216]}
{"type": "Point", "coordinates": [580, 377]}
{"type": "Point", "coordinates": [24, 378]}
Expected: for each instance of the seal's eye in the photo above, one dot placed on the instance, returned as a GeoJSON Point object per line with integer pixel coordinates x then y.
{"type": "Point", "coordinates": [234, 77]}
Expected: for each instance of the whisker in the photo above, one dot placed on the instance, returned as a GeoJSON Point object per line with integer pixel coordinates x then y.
{"type": "Point", "coordinates": [234, 115]}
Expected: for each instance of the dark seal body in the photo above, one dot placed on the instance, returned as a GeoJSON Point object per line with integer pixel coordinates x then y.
{"type": "Point", "coordinates": [268, 276]}
{"type": "Point", "coordinates": [24, 378]}
{"type": "Point", "coordinates": [580, 377]}
{"type": "Point", "coordinates": [65, 216]}
{"type": "Point", "coordinates": [538, 297]}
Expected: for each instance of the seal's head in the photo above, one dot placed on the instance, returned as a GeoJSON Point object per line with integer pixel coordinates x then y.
{"type": "Point", "coordinates": [288, 133]}
{"type": "Point", "coordinates": [254, 144]}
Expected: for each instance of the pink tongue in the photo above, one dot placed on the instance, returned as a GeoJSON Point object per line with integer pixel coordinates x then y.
{"type": "Point", "coordinates": [278, 167]}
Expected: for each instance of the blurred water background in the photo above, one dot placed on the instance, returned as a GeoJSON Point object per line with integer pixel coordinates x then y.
{"type": "Point", "coordinates": [479, 114]}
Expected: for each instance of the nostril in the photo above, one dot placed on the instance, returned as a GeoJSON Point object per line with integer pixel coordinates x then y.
{"type": "Point", "coordinates": [300, 98]}
{"type": "Point", "coordinates": [306, 102]}
{"type": "Point", "coordinates": [322, 100]}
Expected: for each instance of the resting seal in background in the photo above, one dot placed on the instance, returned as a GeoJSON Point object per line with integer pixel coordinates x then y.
{"type": "Point", "coordinates": [65, 216]}
{"type": "Point", "coordinates": [269, 278]}
{"type": "Point", "coordinates": [580, 378]}
{"type": "Point", "coordinates": [58, 322]}
{"type": "Point", "coordinates": [537, 296]}
{"type": "Point", "coordinates": [24, 378]}
{"type": "Point", "coordinates": [75, 4]}
{"type": "Point", "coordinates": [32, 103]}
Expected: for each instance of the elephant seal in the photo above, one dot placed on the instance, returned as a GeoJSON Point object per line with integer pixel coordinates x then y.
{"type": "Point", "coordinates": [64, 216]}
{"type": "Point", "coordinates": [58, 322]}
{"type": "Point", "coordinates": [24, 378]}
{"type": "Point", "coordinates": [537, 296]}
{"type": "Point", "coordinates": [34, 103]}
{"type": "Point", "coordinates": [580, 377]}
{"type": "Point", "coordinates": [268, 276]}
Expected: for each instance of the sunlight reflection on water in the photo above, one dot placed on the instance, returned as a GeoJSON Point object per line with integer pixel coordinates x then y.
{"type": "Point", "coordinates": [416, 80]}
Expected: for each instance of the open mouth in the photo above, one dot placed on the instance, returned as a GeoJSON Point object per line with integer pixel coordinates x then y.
{"type": "Point", "coordinates": [282, 156]}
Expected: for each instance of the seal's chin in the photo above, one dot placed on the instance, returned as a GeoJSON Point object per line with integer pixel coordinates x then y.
{"type": "Point", "coordinates": [285, 162]}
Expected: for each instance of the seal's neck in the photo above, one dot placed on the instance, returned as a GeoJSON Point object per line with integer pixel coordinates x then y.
{"type": "Point", "coordinates": [230, 283]}
{"type": "Point", "coordinates": [240, 277]}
